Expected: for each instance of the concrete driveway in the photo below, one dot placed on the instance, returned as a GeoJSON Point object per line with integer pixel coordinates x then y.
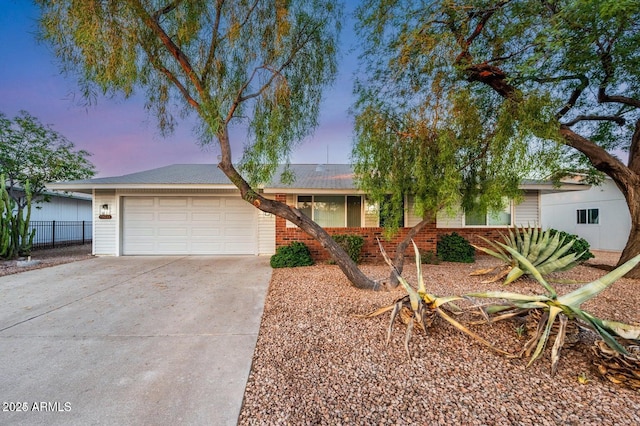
{"type": "Point", "coordinates": [130, 340]}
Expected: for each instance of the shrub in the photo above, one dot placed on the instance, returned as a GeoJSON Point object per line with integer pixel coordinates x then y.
{"type": "Point", "coordinates": [455, 248]}
{"type": "Point", "coordinates": [429, 257]}
{"type": "Point", "coordinates": [579, 245]}
{"type": "Point", "coordinates": [352, 244]}
{"type": "Point", "coordinates": [295, 254]}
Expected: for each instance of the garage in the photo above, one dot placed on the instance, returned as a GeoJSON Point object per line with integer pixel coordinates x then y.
{"type": "Point", "coordinates": [166, 225]}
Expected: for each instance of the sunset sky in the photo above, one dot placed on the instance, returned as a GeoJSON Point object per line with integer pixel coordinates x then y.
{"type": "Point", "coordinates": [119, 134]}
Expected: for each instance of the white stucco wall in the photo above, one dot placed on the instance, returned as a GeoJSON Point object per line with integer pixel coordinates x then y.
{"type": "Point", "coordinates": [611, 233]}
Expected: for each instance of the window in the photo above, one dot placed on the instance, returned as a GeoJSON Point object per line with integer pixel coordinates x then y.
{"type": "Point", "coordinates": [332, 211]}
{"type": "Point", "coordinates": [483, 218]}
{"type": "Point", "coordinates": [588, 216]}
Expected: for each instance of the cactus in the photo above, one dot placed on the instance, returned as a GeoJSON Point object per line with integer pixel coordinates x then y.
{"type": "Point", "coordinates": [6, 218]}
{"type": "Point", "coordinates": [15, 237]}
{"type": "Point", "coordinates": [24, 240]}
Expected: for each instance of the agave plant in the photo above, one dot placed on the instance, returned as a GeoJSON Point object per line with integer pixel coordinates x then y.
{"type": "Point", "coordinates": [564, 309]}
{"type": "Point", "coordinates": [616, 367]}
{"type": "Point", "coordinates": [546, 253]}
{"type": "Point", "coordinates": [419, 308]}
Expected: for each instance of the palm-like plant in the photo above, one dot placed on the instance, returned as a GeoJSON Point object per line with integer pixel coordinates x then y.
{"type": "Point", "coordinates": [421, 308]}
{"type": "Point", "coordinates": [548, 254]}
{"type": "Point", "coordinates": [561, 308]}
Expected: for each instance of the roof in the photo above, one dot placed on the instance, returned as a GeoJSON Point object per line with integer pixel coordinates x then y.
{"type": "Point", "coordinates": [307, 177]}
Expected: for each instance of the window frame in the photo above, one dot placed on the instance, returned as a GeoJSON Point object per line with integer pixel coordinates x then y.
{"type": "Point", "coordinates": [510, 208]}
{"type": "Point", "coordinates": [346, 207]}
{"type": "Point", "coordinates": [587, 217]}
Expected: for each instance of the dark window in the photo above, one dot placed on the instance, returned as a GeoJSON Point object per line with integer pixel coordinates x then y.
{"type": "Point", "coordinates": [588, 216]}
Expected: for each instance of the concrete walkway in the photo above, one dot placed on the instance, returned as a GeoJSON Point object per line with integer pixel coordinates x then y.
{"type": "Point", "coordinates": [130, 340]}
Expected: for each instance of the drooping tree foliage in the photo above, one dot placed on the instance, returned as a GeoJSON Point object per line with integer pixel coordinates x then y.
{"type": "Point", "coordinates": [420, 137]}
{"type": "Point", "coordinates": [31, 155]}
{"type": "Point", "coordinates": [257, 63]}
{"type": "Point", "coordinates": [576, 62]}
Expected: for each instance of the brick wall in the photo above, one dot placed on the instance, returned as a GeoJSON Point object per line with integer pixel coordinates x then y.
{"type": "Point", "coordinates": [426, 239]}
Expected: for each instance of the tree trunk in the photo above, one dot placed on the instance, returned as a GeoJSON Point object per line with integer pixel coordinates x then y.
{"type": "Point", "coordinates": [632, 248]}
{"type": "Point", "coordinates": [398, 259]}
{"type": "Point", "coordinates": [293, 215]}
{"type": "Point", "coordinates": [626, 178]}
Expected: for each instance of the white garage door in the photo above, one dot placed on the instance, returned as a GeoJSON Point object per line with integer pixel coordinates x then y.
{"type": "Point", "coordinates": [188, 225]}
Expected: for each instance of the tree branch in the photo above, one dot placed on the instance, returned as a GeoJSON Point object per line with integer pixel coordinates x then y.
{"type": "Point", "coordinates": [598, 156]}
{"type": "Point", "coordinates": [275, 72]}
{"type": "Point", "coordinates": [167, 9]}
{"type": "Point", "coordinates": [157, 64]}
{"type": "Point", "coordinates": [634, 150]}
{"type": "Point", "coordinates": [493, 77]}
{"type": "Point", "coordinates": [173, 49]}
{"type": "Point", "coordinates": [617, 119]}
{"type": "Point", "coordinates": [214, 43]}
{"type": "Point", "coordinates": [604, 98]}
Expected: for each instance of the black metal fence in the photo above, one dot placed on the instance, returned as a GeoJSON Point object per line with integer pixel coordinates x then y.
{"type": "Point", "coordinates": [50, 234]}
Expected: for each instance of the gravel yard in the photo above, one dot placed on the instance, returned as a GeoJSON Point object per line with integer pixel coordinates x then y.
{"type": "Point", "coordinates": [317, 362]}
{"type": "Point", "coordinates": [48, 257]}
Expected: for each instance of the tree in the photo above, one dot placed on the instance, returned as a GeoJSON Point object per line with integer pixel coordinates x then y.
{"type": "Point", "coordinates": [261, 63]}
{"type": "Point", "coordinates": [415, 137]}
{"type": "Point", "coordinates": [578, 61]}
{"type": "Point", "coordinates": [31, 155]}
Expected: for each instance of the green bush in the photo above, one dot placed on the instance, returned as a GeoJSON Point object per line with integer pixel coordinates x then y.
{"type": "Point", "coordinates": [455, 248]}
{"type": "Point", "coordinates": [352, 244]}
{"type": "Point", "coordinates": [429, 257]}
{"type": "Point", "coordinates": [580, 244]}
{"type": "Point", "coordinates": [295, 254]}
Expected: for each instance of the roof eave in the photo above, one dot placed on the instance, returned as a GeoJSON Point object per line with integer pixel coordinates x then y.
{"type": "Point", "coordinates": [88, 188]}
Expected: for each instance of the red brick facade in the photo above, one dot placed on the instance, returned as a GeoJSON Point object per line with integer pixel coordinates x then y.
{"type": "Point", "coordinates": [426, 239]}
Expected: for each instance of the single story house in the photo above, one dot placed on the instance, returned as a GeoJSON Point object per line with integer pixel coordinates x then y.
{"type": "Point", "coordinates": [599, 215]}
{"type": "Point", "coordinates": [193, 209]}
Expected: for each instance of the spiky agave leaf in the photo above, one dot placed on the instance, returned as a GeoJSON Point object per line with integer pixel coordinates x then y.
{"type": "Point", "coordinates": [420, 301]}
{"type": "Point", "coordinates": [550, 248]}
{"type": "Point", "coordinates": [592, 289]}
{"type": "Point", "coordinates": [559, 342]}
{"type": "Point", "coordinates": [561, 264]}
{"type": "Point", "coordinates": [626, 331]}
{"type": "Point", "coordinates": [421, 287]}
{"type": "Point", "coordinates": [513, 275]}
{"type": "Point", "coordinates": [413, 294]}
{"type": "Point", "coordinates": [498, 253]}
{"type": "Point", "coordinates": [510, 296]}
{"type": "Point", "coordinates": [532, 270]}
{"type": "Point", "coordinates": [468, 332]}
{"type": "Point", "coordinates": [526, 242]}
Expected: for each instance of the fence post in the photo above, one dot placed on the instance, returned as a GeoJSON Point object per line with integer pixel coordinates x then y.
{"type": "Point", "coordinates": [83, 232]}
{"type": "Point", "coordinates": [53, 234]}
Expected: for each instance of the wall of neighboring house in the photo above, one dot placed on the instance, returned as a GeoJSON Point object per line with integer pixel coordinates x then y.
{"type": "Point", "coordinates": [61, 208]}
{"type": "Point", "coordinates": [560, 211]}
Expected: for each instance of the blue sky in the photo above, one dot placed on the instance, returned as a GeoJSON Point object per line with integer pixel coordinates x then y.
{"type": "Point", "coordinates": [119, 134]}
